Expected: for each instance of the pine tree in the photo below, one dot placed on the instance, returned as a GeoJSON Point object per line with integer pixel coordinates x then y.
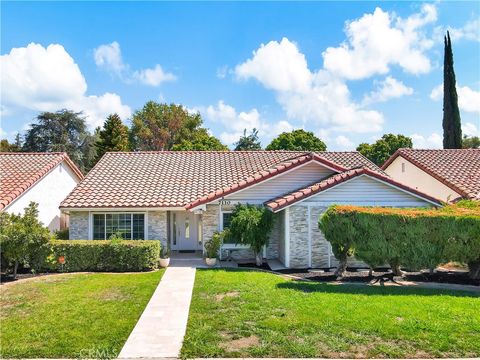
{"type": "Point", "coordinates": [113, 136]}
{"type": "Point", "coordinates": [452, 128]}
{"type": "Point", "coordinates": [248, 142]}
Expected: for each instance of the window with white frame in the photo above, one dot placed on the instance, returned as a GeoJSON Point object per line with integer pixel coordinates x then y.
{"type": "Point", "coordinates": [130, 225]}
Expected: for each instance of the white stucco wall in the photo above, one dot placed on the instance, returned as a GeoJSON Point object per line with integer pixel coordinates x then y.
{"type": "Point", "coordinates": [48, 192]}
{"type": "Point", "coordinates": [418, 179]}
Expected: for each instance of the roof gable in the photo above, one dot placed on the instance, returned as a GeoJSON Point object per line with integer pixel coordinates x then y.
{"type": "Point", "coordinates": [21, 171]}
{"type": "Point", "coordinates": [189, 178]}
{"type": "Point", "coordinates": [336, 180]}
{"type": "Point", "coordinates": [458, 169]}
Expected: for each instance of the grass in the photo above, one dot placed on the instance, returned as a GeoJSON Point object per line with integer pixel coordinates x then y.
{"type": "Point", "coordinates": [254, 314]}
{"type": "Point", "coordinates": [78, 315]}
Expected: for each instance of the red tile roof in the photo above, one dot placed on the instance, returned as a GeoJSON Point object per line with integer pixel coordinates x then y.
{"type": "Point", "coordinates": [20, 171]}
{"type": "Point", "coordinates": [459, 169]}
{"type": "Point", "coordinates": [189, 178]}
{"type": "Point", "coordinates": [334, 180]}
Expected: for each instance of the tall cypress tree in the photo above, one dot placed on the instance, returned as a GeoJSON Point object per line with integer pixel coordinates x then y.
{"type": "Point", "coordinates": [452, 128]}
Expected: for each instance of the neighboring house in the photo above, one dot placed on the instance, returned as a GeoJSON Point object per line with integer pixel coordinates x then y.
{"type": "Point", "coordinates": [45, 178]}
{"type": "Point", "coordinates": [181, 198]}
{"type": "Point", "coordinates": [448, 175]}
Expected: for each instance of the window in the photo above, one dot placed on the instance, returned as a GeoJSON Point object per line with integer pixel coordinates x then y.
{"type": "Point", "coordinates": [131, 226]}
{"type": "Point", "coordinates": [187, 228]}
{"type": "Point", "coordinates": [174, 230]}
{"type": "Point", "coordinates": [226, 219]}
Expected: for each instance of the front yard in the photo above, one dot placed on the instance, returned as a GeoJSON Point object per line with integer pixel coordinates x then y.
{"type": "Point", "coordinates": [78, 315]}
{"type": "Point", "coordinates": [254, 314]}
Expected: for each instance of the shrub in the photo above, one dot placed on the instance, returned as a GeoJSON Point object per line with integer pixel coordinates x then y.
{"type": "Point", "coordinates": [251, 225]}
{"type": "Point", "coordinates": [62, 234]}
{"type": "Point", "coordinates": [105, 255]}
{"type": "Point", "coordinates": [23, 239]}
{"type": "Point", "coordinates": [416, 238]}
{"type": "Point", "coordinates": [212, 246]}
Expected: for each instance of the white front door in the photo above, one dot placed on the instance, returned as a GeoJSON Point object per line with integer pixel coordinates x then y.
{"type": "Point", "coordinates": [184, 231]}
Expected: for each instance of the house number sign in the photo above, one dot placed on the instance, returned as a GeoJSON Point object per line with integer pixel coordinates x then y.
{"type": "Point", "coordinates": [224, 202]}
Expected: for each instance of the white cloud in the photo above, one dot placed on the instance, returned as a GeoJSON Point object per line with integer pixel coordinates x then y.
{"type": "Point", "coordinates": [318, 97]}
{"type": "Point", "coordinates": [470, 31]}
{"type": "Point", "coordinates": [109, 58]}
{"type": "Point", "coordinates": [344, 143]}
{"type": "Point", "coordinates": [222, 72]}
{"type": "Point", "coordinates": [377, 41]}
{"type": "Point", "coordinates": [278, 66]}
{"type": "Point", "coordinates": [153, 77]}
{"type": "Point", "coordinates": [234, 122]}
{"type": "Point", "coordinates": [433, 141]}
{"type": "Point", "coordinates": [387, 89]}
{"type": "Point", "coordinates": [470, 129]}
{"type": "Point", "coordinates": [48, 79]}
{"type": "Point", "coordinates": [468, 99]}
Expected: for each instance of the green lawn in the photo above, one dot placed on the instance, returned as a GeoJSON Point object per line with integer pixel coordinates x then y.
{"type": "Point", "coordinates": [84, 315]}
{"type": "Point", "coordinates": [254, 314]}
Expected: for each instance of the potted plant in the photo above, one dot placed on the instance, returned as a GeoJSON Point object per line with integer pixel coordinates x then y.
{"type": "Point", "coordinates": [164, 257]}
{"type": "Point", "coordinates": [212, 247]}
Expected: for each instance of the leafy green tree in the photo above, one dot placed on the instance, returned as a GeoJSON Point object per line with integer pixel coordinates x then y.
{"type": "Point", "coordinates": [200, 141]}
{"type": "Point", "coordinates": [251, 225]}
{"type": "Point", "coordinates": [5, 146]}
{"type": "Point", "coordinates": [248, 142]}
{"type": "Point", "coordinates": [471, 142]}
{"type": "Point", "coordinates": [22, 237]}
{"type": "Point", "coordinates": [383, 148]}
{"type": "Point", "coordinates": [300, 140]}
{"type": "Point", "coordinates": [160, 126]}
{"type": "Point", "coordinates": [452, 127]}
{"type": "Point", "coordinates": [63, 131]}
{"type": "Point", "coordinates": [112, 137]}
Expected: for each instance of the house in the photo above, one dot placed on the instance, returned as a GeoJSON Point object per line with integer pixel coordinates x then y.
{"type": "Point", "coordinates": [45, 178]}
{"type": "Point", "coordinates": [448, 175]}
{"type": "Point", "coordinates": [181, 198]}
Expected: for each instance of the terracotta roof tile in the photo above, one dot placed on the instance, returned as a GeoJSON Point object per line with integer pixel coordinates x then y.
{"type": "Point", "coordinates": [334, 180]}
{"type": "Point", "coordinates": [189, 178]}
{"type": "Point", "coordinates": [20, 171]}
{"type": "Point", "coordinates": [459, 169]}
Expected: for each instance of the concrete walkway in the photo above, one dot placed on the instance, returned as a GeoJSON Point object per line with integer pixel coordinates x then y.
{"type": "Point", "coordinates": [160, 331]}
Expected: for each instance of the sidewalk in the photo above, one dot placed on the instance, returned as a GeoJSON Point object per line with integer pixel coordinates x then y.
{"type": "Point", "coordinates": [160, 330]}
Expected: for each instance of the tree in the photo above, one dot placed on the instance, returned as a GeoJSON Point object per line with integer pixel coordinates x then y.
{"type": "Point", "coordinates": [248, 142]}
{"type": "Point", "coordinates": [383, 148]}
{"type": "Point", "coordinates": [22, 237]}
{"type": "Point", "coordinates": [472, 142]}
{"type": "Point", "coordinates": [63, 131]}
{"type": "Point", "coordinates": [160, 126]}
{"type": "Point", "coordinates": [201, 141]}
{"type": "Point", "coordinates": [112, 137]}
{"type": "Point", "coordinates": [5, 146]}
{"type": "Point", "coordinates": [299, 140]}
{"type": "Point", "coordinates": [251, 225]}
{"type": "Point", "coordinates": [452, 127]}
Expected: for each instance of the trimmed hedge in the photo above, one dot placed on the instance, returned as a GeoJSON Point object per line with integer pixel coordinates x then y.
{"type": "Point", "coordinates": [105, 255]}
{"type": "Point", "coordinates": [415, 238]}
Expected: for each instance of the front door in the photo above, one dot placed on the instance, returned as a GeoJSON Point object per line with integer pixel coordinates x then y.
{"type": "Point", "coordinates": [184, 231]}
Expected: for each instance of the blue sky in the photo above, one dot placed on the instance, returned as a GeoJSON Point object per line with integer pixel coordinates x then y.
{"type": "Point", "coordinates": [349, 72]}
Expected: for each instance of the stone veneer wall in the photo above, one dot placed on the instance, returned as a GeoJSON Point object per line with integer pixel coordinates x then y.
{"type": "Point", "coordinates": [211, 218]}
{"type": "Point", "coordinates": [298, 237]}
{"type": "Point", "coordinates": [320, 246]}
{"type": "Point", "coordinates": [281, 238]}
{"type": "Point", "coordinates": [78, 228]}
{"type": "Point", "coordinates": [157, 226]}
